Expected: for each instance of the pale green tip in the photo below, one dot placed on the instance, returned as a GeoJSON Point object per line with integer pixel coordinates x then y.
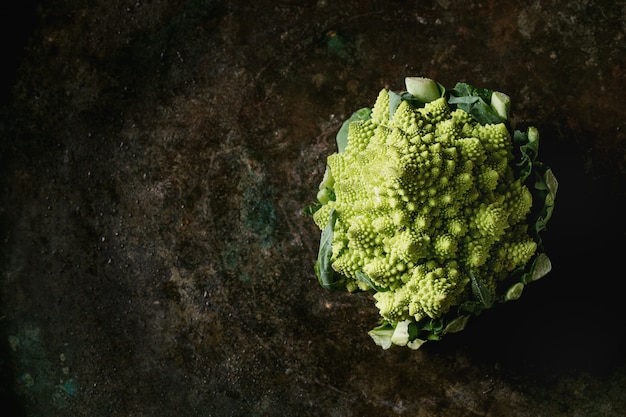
{"type": "Point", "coordinates": [533, 134]}
{"type": "Point", "coordinates": [416, 344]}
{"type": "Point", "coordinates": [501, 104]}
{"type": "Point", "coordinates": [422, 88]}
{"type": "Point", "coordinates": [323, 195]}
{"type": "Point", "coordinates": [541, 268]}
{"type": "Point", "coordinates": [515, 291]}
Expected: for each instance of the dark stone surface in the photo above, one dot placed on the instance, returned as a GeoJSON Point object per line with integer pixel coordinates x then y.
{"type": "Point", "coordinates": [155, 158]}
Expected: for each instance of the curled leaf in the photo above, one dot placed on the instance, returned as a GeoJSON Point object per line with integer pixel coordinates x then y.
{"type": "Point", "coordinates": [382, 335]}
{"type": "Point", "coordinates": [323, 267]}
{"type": "Point", "coordinates": [400, 335]}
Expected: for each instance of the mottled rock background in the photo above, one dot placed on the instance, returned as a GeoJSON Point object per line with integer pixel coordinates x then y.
{"type": "Point", "coordinates": [155, 158]}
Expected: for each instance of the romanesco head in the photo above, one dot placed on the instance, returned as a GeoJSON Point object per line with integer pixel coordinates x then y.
{"type": "Point", "coordinates": [425, 198]}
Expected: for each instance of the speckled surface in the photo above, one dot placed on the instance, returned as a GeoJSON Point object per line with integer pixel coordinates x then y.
{"type": "Point", "coordinates": [155, 158]}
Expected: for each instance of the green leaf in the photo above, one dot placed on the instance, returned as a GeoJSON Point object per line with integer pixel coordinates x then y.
{"type": "Point", "coordinates": [528, 143]}
{"type": "Point", "coordinates": [457, 324]}
{"type": "Point", "coordinates": [525, 164]}
{"type": "Point", "coordinates": [545, 184]}
{"type": "Point", "coordinates": [471, 306]}
{"type": "Point", "coordinates": [540, 268]}
{"type": "Point", "coordinates": [396, 98]}
{"type": "Point", "coordinates": [514, 292]}
{"type": "Point", "coordinates": [323, 267]}
{"type": "Point", "coordinates": [366, 279]}
{"type": "Point", "coordinates": [416, 343]}
{"type": "Point", "coordinates": [481, 291]}
{"type": "Point", "coordinates": [342, 136]}
{"type": "Point", "coordinates": [326, 194]}
{"type": "Point", "coordinates": [400, 334]}
{"type": "Point", "coordinates": [382, 335]}
{"type": "Point", "coordinates": [427, 329]}
{"type": "Point", "coordinates": [310, 210]}
{"type": "Point", "coordinates": [476, 102]}
{"type": "Point", "coordinates": [432, 325]}
{"type": "Point", "coordinates": [394, 101]}
{"type": "Point", "coordinates": [552, 185]}
{"type": "Point", "coordinates": [413, 330]}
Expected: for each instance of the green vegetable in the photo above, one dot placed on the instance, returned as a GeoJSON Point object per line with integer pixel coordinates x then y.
{"type": "Point", "coordinates": [435, 207]}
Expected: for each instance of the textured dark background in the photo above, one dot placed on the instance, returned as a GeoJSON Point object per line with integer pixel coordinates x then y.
{"type": "Point", "coordinates": [155, 158]}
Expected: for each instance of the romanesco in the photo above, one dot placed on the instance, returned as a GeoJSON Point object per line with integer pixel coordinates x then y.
{"type": "Point", "coordinates": [425, 205]}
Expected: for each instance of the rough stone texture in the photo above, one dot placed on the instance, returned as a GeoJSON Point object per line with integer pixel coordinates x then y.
{"type": "Point", "coordinates": [155, 158]}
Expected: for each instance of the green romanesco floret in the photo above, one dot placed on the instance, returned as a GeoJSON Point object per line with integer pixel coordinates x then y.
{"type": "Point", "coordinates": [429, 211]}
{"type": "Point", "coordinates": [430, 291]}
{"type": "Point", "coordinates": [380, 111]}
